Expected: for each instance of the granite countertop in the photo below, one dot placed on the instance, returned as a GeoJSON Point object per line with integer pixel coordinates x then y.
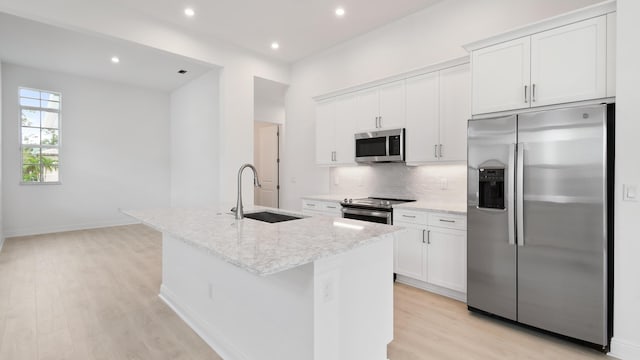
{"type": "Point", "coordinates": [259, 247]}
{"type": "Point", "coordinates": [442, 207]}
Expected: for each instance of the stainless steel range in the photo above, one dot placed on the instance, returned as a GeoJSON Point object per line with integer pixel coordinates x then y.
{"type": "Point", "coordinates": [372, 209]}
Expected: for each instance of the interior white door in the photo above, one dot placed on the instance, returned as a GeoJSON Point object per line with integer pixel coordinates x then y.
{"type": "Point", "coordinates": [392, 105]}
{"type": "Point", "coordinates": [267, 165]}
{"type": "Point", "coordinates": [325, 119]}
{"type": "Point", "coordinates": [423, 108]}
{"type": "Point", "coordinates": [447, 258]}
{"type": "Point", "coordinates": [367, 109]}
{"type": "Point", "coordinates": [410, 252]}
{"type": "Point", "coordinates": [501, 76]}
{"type": "Point", "coordinates": [569, 63]}
{"type": "Point", "coordinates": [345, 129]}
{"type": "Point", "coordinates": [455, 111]}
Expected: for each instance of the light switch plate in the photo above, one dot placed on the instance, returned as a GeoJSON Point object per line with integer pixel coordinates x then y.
{"type": "Point", "coordinates": [630, 192]}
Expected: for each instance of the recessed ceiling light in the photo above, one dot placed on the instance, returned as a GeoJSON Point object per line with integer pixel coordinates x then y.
{"type": "Point", "coordinates": [340, 12]}
{"type": "Point", "coordinates": [275, 45]}
{"type": "Point", "coordinates": [115, 59]}
{"type": "Point", "coordinates": [189, 12]}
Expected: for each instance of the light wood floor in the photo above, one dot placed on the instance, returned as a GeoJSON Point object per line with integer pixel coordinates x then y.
{"type": "Point", "coordinates": [93, 295]}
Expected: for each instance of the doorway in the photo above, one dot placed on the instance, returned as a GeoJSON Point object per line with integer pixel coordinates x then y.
{"type": "Point", "coordinates": [267, 160]}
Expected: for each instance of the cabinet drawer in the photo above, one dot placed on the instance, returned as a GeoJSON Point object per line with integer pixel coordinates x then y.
{"type": "Point", "coordinates": [413, 217]}
{"type": "Point", "coordinates": [448, 221]}
{"type": "Point", "coordinates": [324, 207]}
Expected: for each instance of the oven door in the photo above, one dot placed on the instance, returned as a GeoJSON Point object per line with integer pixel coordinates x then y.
{"type": "Point", "coordinates": [376, 216]}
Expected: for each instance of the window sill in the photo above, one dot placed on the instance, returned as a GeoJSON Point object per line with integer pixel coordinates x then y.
{"type": "Point", "coordinates": [41, 183]}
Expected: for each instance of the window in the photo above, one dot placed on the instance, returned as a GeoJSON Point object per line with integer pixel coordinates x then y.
{"type": "Point", "coordinates": [39, 136]}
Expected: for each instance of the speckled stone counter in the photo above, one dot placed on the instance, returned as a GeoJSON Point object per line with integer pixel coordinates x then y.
{"type": "Point", "coordinates": [259, 247]}
{"type": "Point", "coordinates": [429, 206]}
{"type": "Point", "coordinates": [328, 293]}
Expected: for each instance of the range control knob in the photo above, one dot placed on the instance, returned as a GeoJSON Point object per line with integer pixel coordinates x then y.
{"type": "Point", "coordinates": [350, 201]}
{"type": "Point", "coordinates": [345, 200]}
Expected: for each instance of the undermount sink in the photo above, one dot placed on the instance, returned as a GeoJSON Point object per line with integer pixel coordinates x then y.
{"type": "Point", "coordinates": [271, 217]}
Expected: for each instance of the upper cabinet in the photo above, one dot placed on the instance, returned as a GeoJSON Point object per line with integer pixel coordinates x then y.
{"type": "Point", "coordinates": [335, 127]}
{"type": "Point", "coordinates": [569, 63]}
{"type": "Point", "coordinates": [501, 75]}
{"type": "Point", "coordinates": [437, 110]}
{"type": "Point", "coordinates": [381, 107]}
{"type": "Point", "coordinates": [564, 59]}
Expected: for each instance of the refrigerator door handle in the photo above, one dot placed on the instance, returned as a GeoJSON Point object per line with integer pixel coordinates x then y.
{"type": "Point", "coordinates": [520, 194]}
{"type": "Point", "coordinates": [511, 191]}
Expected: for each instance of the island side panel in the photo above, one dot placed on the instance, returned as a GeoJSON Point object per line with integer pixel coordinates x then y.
{"type": "Point", "coordinates": [240, 315]}
{"type": "Point", "coordinates": [354, 303]}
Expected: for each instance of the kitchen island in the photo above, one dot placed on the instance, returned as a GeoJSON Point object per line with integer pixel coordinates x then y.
{"type": "Point", "coordinates": [317, 288]}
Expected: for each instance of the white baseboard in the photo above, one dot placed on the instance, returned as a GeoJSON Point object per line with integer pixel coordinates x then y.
{"type": "Point", "coordinates": [432, 288]}
{"type": "Point", "coordinates": [70, 227]}
{"type": "Point", "coordinates": [215, 340]}
{"type": "Point", "coordinates": [623, 349]}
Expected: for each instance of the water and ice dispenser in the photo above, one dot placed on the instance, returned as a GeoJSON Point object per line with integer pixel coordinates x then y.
{"type": "Point", "coordinates": [491, 188]}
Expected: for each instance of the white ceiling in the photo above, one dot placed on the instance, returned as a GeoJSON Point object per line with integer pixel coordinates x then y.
{"type": "Point", "coordinates": [302, 27]}
{"type": "Point", "coordinates": [34, 44]}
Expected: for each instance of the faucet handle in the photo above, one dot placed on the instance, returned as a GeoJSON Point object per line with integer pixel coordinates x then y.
{"type": "Point", "coordinates": [234, 209]}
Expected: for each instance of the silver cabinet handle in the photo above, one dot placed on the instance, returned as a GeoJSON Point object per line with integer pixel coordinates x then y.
{"type": "Point", "coordinates": [525, 94]}
{"type": "Point", "coordinates": [448, 221]}
{"type": "Point", "coordinates": [440, 151]}
{"type": "Point", "coordinates": [520, 195]}
{"type": "Point", "coordinates": [331, 207]}
{"type": "Point", "coordinates": [428, 237]}
{"type": "Point", "coordinates": [409, 216]}
{"type": "Point", "coordinates": [423, 231]}
{"type": "Point", "coordinates": [511, 188]}
{"type": "Point", "coordinates": [377, 122]}
{"type": "Point", "coordinates": [380, 122]}
{"type": "Point", "coordinates": [335, 156]}
{"type": "Point", "coordinates": [311, 205]}
{"type": "Point", "coordinates": [533, 93]}
{"type": "Point", "coordinates": [435, 151]}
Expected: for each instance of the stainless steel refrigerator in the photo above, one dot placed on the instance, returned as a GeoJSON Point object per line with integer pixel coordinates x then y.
{"type": "Point", "coordinates": [540, 220]}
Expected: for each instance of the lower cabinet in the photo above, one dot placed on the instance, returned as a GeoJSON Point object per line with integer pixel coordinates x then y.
{"type": "Point", "coordinates": [432, 254]}
{"type": "Point", "coordinates": [319, 207]}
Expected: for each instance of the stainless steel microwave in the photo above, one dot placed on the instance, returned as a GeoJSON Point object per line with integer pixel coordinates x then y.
{"type": "Point", "coordinates": [380, 146]}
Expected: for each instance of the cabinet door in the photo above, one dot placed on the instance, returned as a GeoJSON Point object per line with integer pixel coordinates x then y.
{"type": "Point", "coordinates": [455, 111]}
{"type": "Point", "coordinates": [345, 129]}
{"type": "Point", "coordinates": [367, 110]}
{"type": "Point", "coordinates": [325, 114]}
{"type": "Point", "coordinates": [423, 111]}
{"type": "Point", "coordinates": [500, 74]}
{"type": "Point", "coordinates": [392, 105]}
{"type": "Point", "coordinates": [569, 63]}
{"type": "Point", "coordinates": [410, 252]}
{"type": "Point", "coordinates": [447, 258]}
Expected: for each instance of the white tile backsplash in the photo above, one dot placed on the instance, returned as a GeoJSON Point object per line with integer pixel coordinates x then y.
{"type": "Point", "coordinates": [439, 183]}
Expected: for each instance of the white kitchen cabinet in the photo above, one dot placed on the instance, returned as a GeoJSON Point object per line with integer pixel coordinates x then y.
{"type": "Point", "coordinates": [381, 107]}
{"type": "Point", "coordinates": [319, 207]}
{"type": "Point", "coordinates": [569, 63]}
{"type": "Point", "coordinates": [325, 131]}
{"type": "Point", "coordinates": [432, 253]}
{"type": "Point", "coordinates": [335, 127]}
{"type": "Point", "coordinates": [423, 118]}
{"type": "Point", "coordinates": [551, 66]}
{"type": "Point", "coordinates": [501, 75]}
{"type": "Point", "coordinates": [447, 258]}
{"type": "Point", "coordinates": [411, 252]}
{"type": "Point", "coordinates": [438, 107]}
{"type": "Point", "coordinates": [455, 111]}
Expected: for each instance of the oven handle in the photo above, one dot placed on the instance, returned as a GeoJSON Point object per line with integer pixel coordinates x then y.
{"type": "Point", "coordinates": [380, 214]}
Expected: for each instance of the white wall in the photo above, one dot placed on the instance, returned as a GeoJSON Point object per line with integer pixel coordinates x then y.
{"type": "Point", "coordinates": [1, 117]}
{"type": "Point", "coordinates": [626, 342]}
{"type": "Point", "coordinates": [427, 37]}
{"type": "Point", "coordinates": [236, 79]}
{"type": "Point", "coordinates": [268, 101]}
{"type": "Point", "coordinates": [114, 154]}
{"type": "Point", "coordinates": [195, 135]}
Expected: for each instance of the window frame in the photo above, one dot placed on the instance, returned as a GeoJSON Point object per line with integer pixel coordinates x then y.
{"type": "Point", "coordinates": [41, 146]}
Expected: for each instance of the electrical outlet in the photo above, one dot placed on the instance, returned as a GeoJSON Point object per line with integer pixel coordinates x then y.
{"type": "Point", "coordinates": [444, 183]}
{"type": "Point", "coordinates": [630, 192]}
{"type": "Point", "coordinates": [327, 290]}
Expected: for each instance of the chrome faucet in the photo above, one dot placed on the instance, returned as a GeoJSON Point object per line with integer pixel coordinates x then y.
{"type": "Point", "coordinates": [238, 209]}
